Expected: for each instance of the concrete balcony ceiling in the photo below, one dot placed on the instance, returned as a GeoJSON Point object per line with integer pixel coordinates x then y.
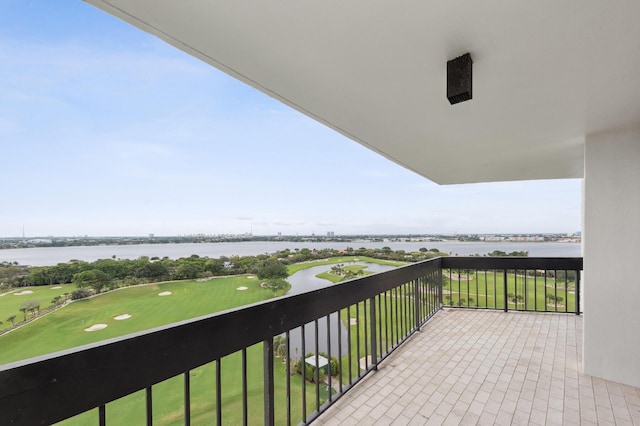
{"type": "Point", "coordinates": [545, 73]}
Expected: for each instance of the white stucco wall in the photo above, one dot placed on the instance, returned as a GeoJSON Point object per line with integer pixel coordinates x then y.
{"type": "Point", "coordinates": [612, 256]}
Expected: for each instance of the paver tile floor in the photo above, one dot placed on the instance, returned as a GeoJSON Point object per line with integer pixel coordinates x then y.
{"type": "Point", "coordinates": [473, 367]}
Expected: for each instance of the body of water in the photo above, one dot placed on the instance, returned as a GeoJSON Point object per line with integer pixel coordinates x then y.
{"type": "Point", "coordinates": [45, 256]}
{"type": "Point", "coordinates": [306, 280]}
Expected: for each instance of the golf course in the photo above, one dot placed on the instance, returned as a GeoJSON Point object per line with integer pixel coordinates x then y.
{"type": "Point", "coordinates": [137, 308]}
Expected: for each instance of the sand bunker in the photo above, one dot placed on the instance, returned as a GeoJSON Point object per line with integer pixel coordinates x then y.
{"type": "Point", "coordinates": [122, 317]}
{"type": "Point", "coordinates": [56, 287]}
{"type": "Point", "coordinates": [242, 288]}
{"type": "Point", "coordinates": [165, 293]}
{"type": "Point", "coordinates": [96, 327]}
{"type": "Point", "coordinates": [353, 321]}
{"type": "Point", "coordinates": [251, 277]}
{"type": "Point", "coordinates": [22, 293]}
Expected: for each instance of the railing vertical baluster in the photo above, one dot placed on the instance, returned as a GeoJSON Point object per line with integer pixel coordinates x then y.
{"type": "Point", "coordinates": [506, 301]}
{"type": "Point", "coordinates": [440, 287]}
{"type": "Point", "coordinates": [317, 369]}
{"type": "Point", "coordinates": [405, 310]}
{"type": "Point", "coordinates": [515, 290]}
{"type": "Point", "coordinates": [245, 408]}
{"type": "Point", "coordinates": [219, 391]}
{"type": "Point", "coordinates": [416, 302]}
{"type": "Point", "coordinates": [329, 353]}
{"type": "Point", "coordinates": [400, 312]}
{"type": "Point", "coordinates": [374, 342]}
{"type": "Point", "coordinates": [396, 315]}
{"type": "Point", "coordinates": [486, 291]}
{"type": "Point", "coordinates": [149, 400]}
{"type": "Point", "coordinates": [288, 372]}
{"type": "Point", "coordinates": [577, 293]}
{"type": "Point", "coordinates": [366, 331]}
{"type": "Point", "coordinates": [381, 350]}
{"type": "Point", "coordinates": [555, 290]}
{"type": "Point", "coordinates": [303, 368]}
{"type": "Point", "coordinates": [386, 322]}
{"type": "Point", "coordinates": [428, 296]}
{"type": "Point", "coordinates": [349, 349]}
{"type": "Point", "coordinates": [459, 288]}
{"type": "Point", "coordinates": [566, 291]}
{"type": "Point", "coordinates": [339, 376]}
{"type": "Point", "coordinates": [526, 294]}
{"type": "Point", "coordinates": [535, 290]}
{"type": "Point", "coordinates": [358, 337]}
{"type": "Point", "coordinates": [187, 398]}
{"type": "Point", "coordinates": [102, 415]}
{"type": "Point", "coordinates": [267, 357]}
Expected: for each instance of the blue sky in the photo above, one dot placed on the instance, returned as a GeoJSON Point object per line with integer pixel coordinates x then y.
{"type": "Point", "coordinates": [105, 130]}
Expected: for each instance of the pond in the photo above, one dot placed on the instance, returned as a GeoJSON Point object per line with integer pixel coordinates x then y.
{"type": "Point", "coordinates": [306, 280]}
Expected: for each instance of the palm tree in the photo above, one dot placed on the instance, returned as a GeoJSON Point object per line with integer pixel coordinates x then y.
{"type": "Point", "coordinates": [280, 347]}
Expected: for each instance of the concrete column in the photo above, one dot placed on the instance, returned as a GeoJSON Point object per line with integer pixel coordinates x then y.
{"type": "Point", "coordinates": [612, 256]}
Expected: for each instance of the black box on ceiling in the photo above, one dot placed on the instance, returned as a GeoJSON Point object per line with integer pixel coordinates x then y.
{"type": "Point", "coordinates": [459, 79]}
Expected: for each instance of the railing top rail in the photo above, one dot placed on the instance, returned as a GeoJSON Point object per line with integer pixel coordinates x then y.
{"type": "Point", "coordinates": [155, 355]}
{"type": "Point", "coordinates": [513, 262]}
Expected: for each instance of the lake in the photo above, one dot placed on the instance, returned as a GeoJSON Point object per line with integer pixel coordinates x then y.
{"type": "Point", "coordinates": [44, 256]}
{"type": "Point", "coordinates": [306, 280]}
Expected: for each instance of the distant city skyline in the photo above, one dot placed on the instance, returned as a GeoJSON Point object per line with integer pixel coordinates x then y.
{"type": "Point", "coordinates": [107, 131]}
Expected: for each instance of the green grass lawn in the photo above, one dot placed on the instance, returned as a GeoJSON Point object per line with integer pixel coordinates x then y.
{"type": "Point", "coordinates": [342, 259]}
{"type": "Point", "coordinates": [64, 328]}
{"type": "Point", "coordinates": [168, 399]}
{"type": "Point", "coordinates": [10, 302]}
{"type": "Point", "coordinates": [486, 290]}
{"type": "Point", "coordinates": [328, 275]}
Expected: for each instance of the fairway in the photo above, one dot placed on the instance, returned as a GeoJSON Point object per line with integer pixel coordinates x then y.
{"type": "Point", "coordinates": [10, 302]}
{"type": "Point", "coordinates": [487, 289]}
{"type": "Point", "coordinates": [65, 327]}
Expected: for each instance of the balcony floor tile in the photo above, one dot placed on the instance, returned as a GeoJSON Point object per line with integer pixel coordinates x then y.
{"type": "Point", "coordinates": [489, 367]}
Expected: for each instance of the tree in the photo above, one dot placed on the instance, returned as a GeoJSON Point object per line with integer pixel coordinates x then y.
{"type": "Point", "coordinates": [187, 271]}
{"type": "Point", "coordinates": [276, 284]}
{"type": "Point", "coordinates": [280, 347]}
{"type": "Point", "coordinates": [12, 320]}
{"type": "Point", "coordinates": [93, 278]}
{"type": "Point", "coordinates": [80, 293]}
{"type": "Point", "coordinates": [272, 270]}
{"type": "Point", "coordinates": [30, 306]}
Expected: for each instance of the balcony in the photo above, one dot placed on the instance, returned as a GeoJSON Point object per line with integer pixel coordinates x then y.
{"type": "Point", "coordinates": [508, 352]}
{"type": "Point", "coordinates": [488, 368]}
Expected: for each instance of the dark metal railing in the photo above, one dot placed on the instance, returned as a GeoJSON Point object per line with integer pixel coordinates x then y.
{"type": "Point", "coordinates": [264, 363]}
{"type": "Point", "coordinates": [512, 283]}
{"type": "Point", "coordinates": [208, 369]}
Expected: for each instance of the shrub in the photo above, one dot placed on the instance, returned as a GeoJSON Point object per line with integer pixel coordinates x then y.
{"type": "Point", "coordinates": [81, 293]}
